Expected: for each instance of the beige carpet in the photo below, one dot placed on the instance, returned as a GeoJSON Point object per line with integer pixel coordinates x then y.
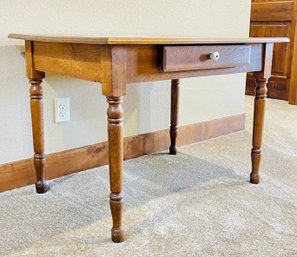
{"type": "Point", "coordinates": [198, 203]}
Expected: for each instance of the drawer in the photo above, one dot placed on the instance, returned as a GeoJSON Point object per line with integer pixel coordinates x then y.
{"type": "Point", "coordinates": [183, 58]}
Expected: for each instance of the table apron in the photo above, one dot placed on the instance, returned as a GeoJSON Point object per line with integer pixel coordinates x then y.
{"type": "Point", "coordinates": [144, 62]}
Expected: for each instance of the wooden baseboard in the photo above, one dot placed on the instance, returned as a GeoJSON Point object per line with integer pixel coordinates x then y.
{"type": "Point", "coordinates": [21, 173]}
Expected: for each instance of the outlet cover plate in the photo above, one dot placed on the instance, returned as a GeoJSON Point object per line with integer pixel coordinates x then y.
{"type": "Point", "coordinates": [62, 109]}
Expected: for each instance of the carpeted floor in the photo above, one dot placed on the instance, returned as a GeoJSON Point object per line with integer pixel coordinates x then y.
{"type": "Point", "coordinates": [198, 203]}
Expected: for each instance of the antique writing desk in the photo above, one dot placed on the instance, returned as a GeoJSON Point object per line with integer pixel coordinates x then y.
{"type": "Point", "coordinates": [115, 62]}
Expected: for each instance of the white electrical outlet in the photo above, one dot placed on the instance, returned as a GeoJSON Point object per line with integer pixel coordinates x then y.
{"type": "Point", "coordinates": [62, 109]}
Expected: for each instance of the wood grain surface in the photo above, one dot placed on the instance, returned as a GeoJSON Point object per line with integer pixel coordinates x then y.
{"type": "Point", "coordinates": [274, 11]}
{"type": "Point", "coordinates": [271, 18]}
{"type": "Point", "coordinates": [180, 58]}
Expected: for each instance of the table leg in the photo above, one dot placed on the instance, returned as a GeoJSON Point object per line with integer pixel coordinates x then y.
{"type": "Point", "coordinates": [115, 141]}
{"type": "Point", "coordinates": [259, 111]}
{"type": "Point", "coordinates": [174, 114]}
{"type": "Point", "coordinates": [36, 103]}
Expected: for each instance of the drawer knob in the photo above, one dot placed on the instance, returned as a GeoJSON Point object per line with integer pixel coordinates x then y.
{"type": "Point", "coordinates": [215, 56]}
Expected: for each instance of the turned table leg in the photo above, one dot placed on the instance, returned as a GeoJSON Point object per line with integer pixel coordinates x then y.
{"type": "Point", "coordinates": [36, 103]}
{"type": "Point", "coordinates": [115, 141]}
{"type": "Point", "coordinates": [174, 114]}
{"type": "Point", "coordinates": [259, 111]}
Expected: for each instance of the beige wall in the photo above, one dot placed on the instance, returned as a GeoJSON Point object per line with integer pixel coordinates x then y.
{"type": "Point", "coordinates": [146, 106]}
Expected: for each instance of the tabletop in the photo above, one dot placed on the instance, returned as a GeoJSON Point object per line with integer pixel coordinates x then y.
{"type": "Point", "coordinates": [145, 40]}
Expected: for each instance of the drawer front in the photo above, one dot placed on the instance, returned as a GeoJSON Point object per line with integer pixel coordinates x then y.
{"type": "Point", "coordinates": [182, 58]}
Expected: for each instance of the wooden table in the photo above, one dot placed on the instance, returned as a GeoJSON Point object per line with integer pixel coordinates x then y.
{"type": "Point", "coordinates": [115, 62]}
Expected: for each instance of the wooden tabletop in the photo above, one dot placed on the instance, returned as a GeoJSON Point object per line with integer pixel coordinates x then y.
{"type": "Point", "coordinates": [144, 41]}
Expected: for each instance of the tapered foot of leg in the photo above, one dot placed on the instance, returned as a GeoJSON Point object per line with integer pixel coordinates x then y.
{"type": "Point", "coordinates": [117, 235]}
{"type": "Point", "coordinates": [172, 150]}
{"type": "Point", "coordinates": [116, 206]}
{"type": "Point", "coordinates": [256, 159]}
{"type": "Point", "coordinates": [41, 187]}
{"type": "Point", "coordinates": [41, 184]}
{"type": "Point", "coordinates": [254, 178]}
